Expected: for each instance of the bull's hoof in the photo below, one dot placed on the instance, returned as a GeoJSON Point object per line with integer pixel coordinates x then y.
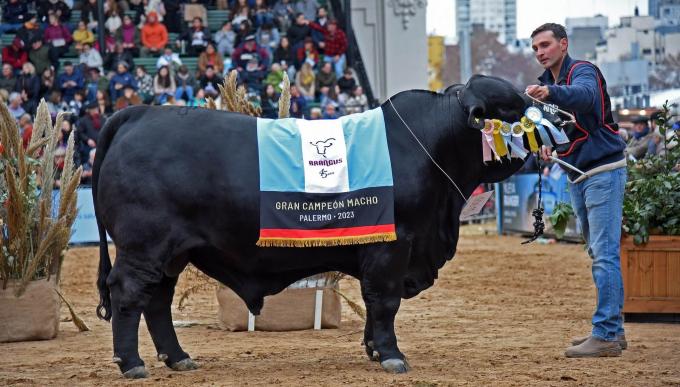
{"type": "Point", "coordinates": [184, 365]}
{"type": "Point", "coordinates": [138, 372]}
{"type": "Point", "coordinates": [372, 354]}
{"type": "Point", "coordinates": [395, 366]}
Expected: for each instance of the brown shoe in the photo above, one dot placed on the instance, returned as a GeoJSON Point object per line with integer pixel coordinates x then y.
{"type": "Point", "coordinates": [594, 347]}
{"type": "Point", "coordinates": [621, 339]}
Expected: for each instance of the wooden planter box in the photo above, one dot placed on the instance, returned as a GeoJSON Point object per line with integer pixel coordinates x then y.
{"type": "Point", "coordinates": [33, 316]}
{"type": "Point", "coordinates": [651, 275]}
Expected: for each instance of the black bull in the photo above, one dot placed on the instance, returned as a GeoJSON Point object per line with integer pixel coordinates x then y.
{"type": "Point", "coordinates": [174, 185]}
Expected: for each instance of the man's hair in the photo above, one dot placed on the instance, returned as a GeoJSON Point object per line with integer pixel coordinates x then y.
{"type": "Point", "coordinates": [557, 29]}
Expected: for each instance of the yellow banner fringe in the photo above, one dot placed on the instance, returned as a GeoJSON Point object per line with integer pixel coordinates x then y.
{"type": "Point", "coordinates": [326, 242]}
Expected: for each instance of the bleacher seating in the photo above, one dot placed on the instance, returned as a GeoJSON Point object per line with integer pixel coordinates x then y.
{"type": "Point", "coordinates": [216, 18]}
{"type": "Point", "coordinates": [6, 39]}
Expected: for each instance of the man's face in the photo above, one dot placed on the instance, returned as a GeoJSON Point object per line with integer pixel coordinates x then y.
{"type": "Point", "coordinates": [6, 70]}
{"type": "Point", "coordinates": [37, 44]}
{"type": "Point", "coordinates": [638, 127]}
{"type": "Point", "coordinates": [548, 49]}
{"type": "Point", "coordinates": [167, 52]}
{"type": "Point", "coordinates": [121, 68]}
{"type": "Point", "coordinates": [322, 12]}
{"type": "Point", "coordinates": [68, 69]}
{"type": "Point", "coordinates": [300, 19]}
{"type": "Point", "coordinates": [332, 27]}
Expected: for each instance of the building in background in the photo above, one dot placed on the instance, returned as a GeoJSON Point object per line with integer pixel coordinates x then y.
{"type": "Point", "coordinates": [585, 33]}
{"type": "Point", "coordinates": [495, 15]}
{"type": "Point", "coordinates": [666, 11]}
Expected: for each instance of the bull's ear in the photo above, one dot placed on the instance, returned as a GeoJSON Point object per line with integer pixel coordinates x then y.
{"type": "Point", "coordinates": [475, 119]}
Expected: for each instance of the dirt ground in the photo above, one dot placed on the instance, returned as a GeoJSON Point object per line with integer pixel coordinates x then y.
{"type": "Point", "coordinates": [500, 313]}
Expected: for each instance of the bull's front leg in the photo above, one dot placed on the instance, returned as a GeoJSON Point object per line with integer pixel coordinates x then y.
{"type": "Point", "coordinates": [383, 270]}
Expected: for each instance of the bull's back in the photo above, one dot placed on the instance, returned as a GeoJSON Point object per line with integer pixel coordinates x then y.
{"type": "Point", "coordinates": [186, 166]}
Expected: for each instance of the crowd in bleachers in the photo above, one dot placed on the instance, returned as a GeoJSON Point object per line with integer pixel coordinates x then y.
{"type": "Point", "coordinates": [169, 52]}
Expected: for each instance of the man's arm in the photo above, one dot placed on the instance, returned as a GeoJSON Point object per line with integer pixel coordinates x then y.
{"type": "Point", "coordinates": [581, 95]}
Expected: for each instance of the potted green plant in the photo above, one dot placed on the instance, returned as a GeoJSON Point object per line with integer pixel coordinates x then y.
{"type": "Point", "coordinates": [35, 230]}
{"type": "Point", "coordinates": [650, 247]}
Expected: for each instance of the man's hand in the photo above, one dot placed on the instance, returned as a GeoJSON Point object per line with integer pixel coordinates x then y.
{"type": "Point", "coordinates": [541, 93]}
{"type": "Point", "coordinates": [91, 143]}
{"type": "Point", "coordinates": [546, 152]}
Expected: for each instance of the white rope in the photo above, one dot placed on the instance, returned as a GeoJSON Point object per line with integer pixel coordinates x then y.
{"type": "Point", "coordinates": [427, 153]}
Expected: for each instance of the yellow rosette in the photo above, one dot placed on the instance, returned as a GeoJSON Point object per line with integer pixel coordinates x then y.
{"type": "Point", "coordinates": [528, 126]}
{"type": "Point", "coordinates": [501, 148]}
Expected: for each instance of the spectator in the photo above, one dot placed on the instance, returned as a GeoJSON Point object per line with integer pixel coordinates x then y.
{"type": "Point", "coordinates": [55, 103]}
{"type": "Point", "coordinates": [103, 104]}
{"type": "Point", "coordinates": [86, 176]}
{"type": "Point", "coordinates": [7, 81]}
{"type": "Point", "coordinates": [298, 31]}
{"type": "Point", "coordinates": [163, 85]}
{"type": "Point", "coordinates": [121, 79]}
{"type": "Point", "coordinates": [64, 132]}
{"type": "Point", "coordinates": [129, 98]}
{"type": "Point", "coordinates": [117, 56]}
{"type": "Point", "coordinates": [252, 76]}
{"type": "Point", "coordinates": [241, 13]}
{"type": "Point", "coordinates": [129, 36]}
{"type": "Point", "coordinates": [307, 53]}
{"type": "Point", "coordinates": [307, 7]}
{"type": "Point", "coordinates": [157, 7]}
{"type": "Point", "coordinates": [96, 82]}
{"type": "Point", "coordinates": [358, 102]}
{"type": "Point", "coordinates": [193, 10]}
{"type": "Point", "coordinates": [109, 44]}
{"type": "Point", "coordinates": [275, 77]}
{"type": "Point", "coordinates": [283, 13]}
{"type": "Point", "coordinates": [199, 99]}
{"type": "Point", "coordinates": [334, 45]}
{"type": "Point", "coordinates": [26, 128]}
{"type": "Point", "coordinates": [326, 77]}
{"type": "Point", "coordinates": [209, 82]}
{"type": "Point", "coordinates": [642, 142]}
{"type": "Point", "coordinates": [39, 55]}
{"type": "Point", "coordinates": [315, 113]}
{"type": "Point", "coordinates": [154, 35]}
{"type": "Point", "coordinates": [305, 80]}
{"type": "Point", "coordinates": [59, 158]}
{"type": "Point", "coordinates": [30, 30]}
{"type": "Point", "coordinates": [243, 30]}
{"type": "Point", "coordinates": [185, 84]}
{"type": "Point", "coordinates": [89, 126]}
{"type": "Point", "coordinates": [268, 37]}
{"type": "Point", "coordinates": [329, 112]}
{"type": "Point", "coordinates": [196, 38]}
{"type": "Point", "coordinates": [347, 82]}
{"type": "Point", "coordinates": [89, 13]}
{"type": "Point", "coordinates": [90, 57]}
{"type": "Point", "coordinates": [172, 16]}
{"type": "Point", "coordinates": [169, 59]}
{"type": "Point", "coordinates": [56, 8]}
{"type": "Point", "coordinates": [47, 79]}
{"type": "Point", "coordinates": [144, 84]}
{"type": "Point", "coordinates": [28, 86]}
{"type": "Point", "coordinates": [14, 54]}
{"type": "Point", "coordinates": [298, 104]}
{"type": "Point", "coordinates": [77, 103]}
{"type": "Point", "coordinates": [14, 106]}
{"type": "Point", "coordinates": [269, 101]}
{"type": "Point", "coordinates": [322, 20]}
{"type": "Point", "coordinates": [328, 96]}
{"type": "Point", "coordinates": [82, 35]}
{"type": "Point", "coordinates": [225, 39]}
{"type": "Point", "coordinates": [210, 57]}
{"type": "Point", "coordinates": [248, 51]}
{"type": "Point", "coordinates": [283, 52]}
{"type": "Point", "coordinates": [70, 81]}
{"type": "Point", "coordinates": [113, 21]}
{"type": "Point", "coordinates": [262, 14]}
{"type": "Point", "coordinates": [14, 15]}
{"type": "Point", "coordinates": [58, 38]}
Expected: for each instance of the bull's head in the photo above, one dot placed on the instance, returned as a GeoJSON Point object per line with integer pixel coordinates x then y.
{"type": "Point", "coordinates": [489, 97]}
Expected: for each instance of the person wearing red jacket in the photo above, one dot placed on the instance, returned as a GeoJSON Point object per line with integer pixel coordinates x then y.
{"type": "Point", "coordinates": [334, 45]}
{"type": "Point", "coordinates": [15, 55]}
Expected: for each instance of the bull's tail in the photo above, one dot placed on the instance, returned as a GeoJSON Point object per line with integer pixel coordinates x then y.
{"type": "Point", "coordinates": [104, 141]}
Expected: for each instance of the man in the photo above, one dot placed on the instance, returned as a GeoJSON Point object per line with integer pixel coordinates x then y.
{"type": "Point", "coordinates": [14, 15]}
{"type": "Point", "coordinates": [596, 148]}
{"type": "Point", "coordinates": [170, 59]}
{"type": "Point", "coordinates": [90, 57]}
{"type": "Point", "coordinates": [70, 81]}
{"type": "Point", "coordinates": [15, 55]}
{"type": "Point", "coordinates": [7, 80]}
{"type": "Point", "coordinates": [89, 126]}
{"type": "Point", "coordinates": [642, 142]}
{"type": "Point", "coordinates": [154, 35]}
{"type": "Point", "coordinates": [246, 52]}
{"type": "Point", "coordinates": [39, 55]}
{"type": "Point", "coordinates": [334, 45]}
{"type": "Point", "coordinates": [209, 82]}
{"type": "Point", "coordinates": [121, 79]}
{"type": "Point", "coordinates": [14, 106]}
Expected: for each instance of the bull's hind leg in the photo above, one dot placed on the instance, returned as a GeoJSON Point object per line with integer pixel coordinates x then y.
{"type": "Point", "coordinates": [158, 316]}
{"type": "Point", "coordinates": [368, 333]}
{"type": "Point", "coordinates": [125, 325]}
{"type": "Point", "coordinates": [383, 269]}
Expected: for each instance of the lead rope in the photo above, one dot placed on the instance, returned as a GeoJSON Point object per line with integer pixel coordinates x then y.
{"type": "Point", "coordinates": [427, 153]}
{"type": "Point", "coordinates": [537, 213]}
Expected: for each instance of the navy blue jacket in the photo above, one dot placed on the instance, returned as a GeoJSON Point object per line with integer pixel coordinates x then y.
{"type": "Point", "coordinates": [581, 89]}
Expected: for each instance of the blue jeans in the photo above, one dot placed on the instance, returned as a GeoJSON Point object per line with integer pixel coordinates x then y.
{"type": "Point", "coordinates": [182, 90]}
{"type": "Point", "coordinates": [598, 204]}
{"type": "Point", "coordinates": [339, 66]}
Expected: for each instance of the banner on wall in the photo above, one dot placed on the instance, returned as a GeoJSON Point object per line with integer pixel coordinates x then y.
{"type": "Point", "coordinates": [518, 196]}
{"type": "Point", "coordinates": [84, 228]}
